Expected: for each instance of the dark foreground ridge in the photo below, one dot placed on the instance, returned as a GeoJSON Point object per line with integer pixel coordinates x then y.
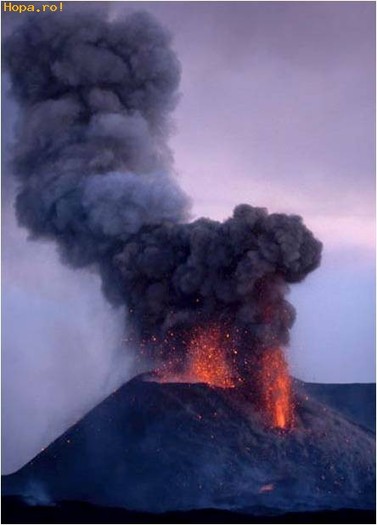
{"type": "Point", "coordinates": [179, 447]}
{"type": "Point", "coordinates": [15, 510]}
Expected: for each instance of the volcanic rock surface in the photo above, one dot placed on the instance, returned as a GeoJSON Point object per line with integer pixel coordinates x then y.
{"type": "Point", "coordinates": [157, 447]}
{"type": "Point", "coordinates": [356, 401]}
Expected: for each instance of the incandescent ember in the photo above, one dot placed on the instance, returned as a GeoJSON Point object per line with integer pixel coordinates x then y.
{"type": "Point", "coordinates": [210, 358]}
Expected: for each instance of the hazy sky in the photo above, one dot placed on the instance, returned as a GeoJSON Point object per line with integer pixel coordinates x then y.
{"type": "Point", "coordinates": [277, 110]}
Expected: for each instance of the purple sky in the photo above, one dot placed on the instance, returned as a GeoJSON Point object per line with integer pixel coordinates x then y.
{"type": "Point", "coordinates": [277, 110]}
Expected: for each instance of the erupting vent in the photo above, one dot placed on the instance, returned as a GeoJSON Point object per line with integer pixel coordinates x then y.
{"type": "Point", "coordinates": [206, 362]}
{"type": "Point", "coordinates": [95, 173]}
{"type": "Point", "coordinates": [276, 389]}
{"type": "Point", "coordinates": [209, 361]}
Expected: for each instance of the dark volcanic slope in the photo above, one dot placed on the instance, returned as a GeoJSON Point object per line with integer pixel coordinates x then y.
{"type": "Point", "coordinates": [356, 401]}
{"type": "Point", "coordinates": [159, 447]}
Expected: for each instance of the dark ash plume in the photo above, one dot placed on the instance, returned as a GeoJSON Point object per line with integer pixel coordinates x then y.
{"type": "Point", "coordinates": [91, 152]}
{"type": "Point", "coordinates": [95, 174]}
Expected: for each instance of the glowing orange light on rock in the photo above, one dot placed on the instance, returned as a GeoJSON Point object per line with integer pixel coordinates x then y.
{"type": "Point", "coordinates": [269, 487]}
{"type": "Point", "coordinates": [276, 388]}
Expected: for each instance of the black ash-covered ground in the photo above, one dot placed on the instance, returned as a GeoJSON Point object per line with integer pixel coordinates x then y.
{"type": "Point", "coordinates": [166, 447]}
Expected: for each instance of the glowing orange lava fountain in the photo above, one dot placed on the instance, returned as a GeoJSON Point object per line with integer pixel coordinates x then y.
{"type": "Point", "coordinates": [207, 361]}
{"type": "Point", "coordinates": [276, 388]}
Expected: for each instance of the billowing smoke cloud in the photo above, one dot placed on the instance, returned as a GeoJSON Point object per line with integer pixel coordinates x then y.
{"type": "Point", "coordinates": [95, 174]}
{"type": "Point", "coordinates": [91, 152]}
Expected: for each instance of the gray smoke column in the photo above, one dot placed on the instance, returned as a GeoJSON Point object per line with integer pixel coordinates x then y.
{"type": "Point", "coordinates": [95, 174]}
{"type": "Point", "coordinates": [91, 153]}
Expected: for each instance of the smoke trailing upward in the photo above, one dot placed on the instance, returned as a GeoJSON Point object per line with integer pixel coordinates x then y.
{"type": "Point", "coordinates": [91, 151]}
{"type": "Point", "coordinates": [95, 174]}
